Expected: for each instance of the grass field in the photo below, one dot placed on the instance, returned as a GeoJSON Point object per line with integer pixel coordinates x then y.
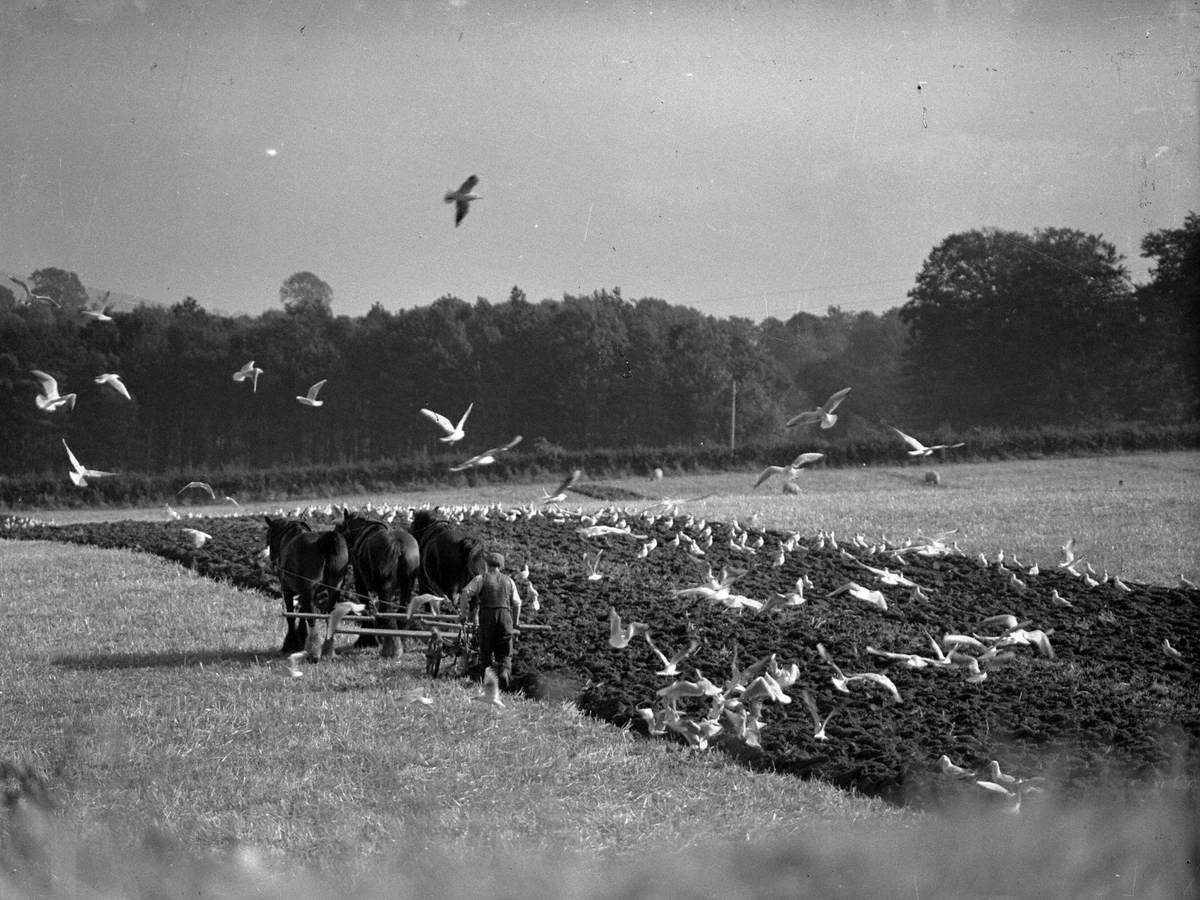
{"type": "Point", "coordinates": [190, 763]}
{"type": "Point", "coordinates": [1137, 515]}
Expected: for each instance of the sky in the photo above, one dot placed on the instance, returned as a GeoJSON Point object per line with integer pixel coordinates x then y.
{"type": "Point", "coordinates": [740, 158]}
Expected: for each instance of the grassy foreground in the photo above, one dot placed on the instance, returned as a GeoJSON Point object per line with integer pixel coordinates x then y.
{"type": "Point", "coordinates": [188, 762]}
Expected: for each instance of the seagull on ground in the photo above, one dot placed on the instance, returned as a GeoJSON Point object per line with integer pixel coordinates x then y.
{"type": "Point", "coordinates": [462, 198]}
{"type": "Point", "coordinates": [199, 486]}
{"type": "Point", "coordinates": [198, 537]}
{"type": "Point", "coordinates": [79, 474]}
{"type": "Point", "coordinates": [487, 457]}
{"type": "Point", "coordinates": [949, 768]}
{"type": "Point", "coordinates": [454, 433]}
{"type": "Point", "coordinates": [595, 531]}
{"type": "Point", "coordinates": [823, 414]}
{"type": "Point", "coordinates": [560, 492]}
{"type": "Point", "coordinates": [919, 449]}
{"type": "Point", "coordinates": [49, 400]}
{"type": "Point", "coordinates": [30, 296]}
{"type": "Point", "coordinates": [251, 371]}
{"type": "Point", "coordinates": [491, 689]}
{"type": "Point", "coordinates": [1169, 650]}
{"type": "Point", "coordinates": [114, 381]}
{"type": "Point", "coordinates": [791, 470]}
{"type": "Point", "coordinates": [310, 399]}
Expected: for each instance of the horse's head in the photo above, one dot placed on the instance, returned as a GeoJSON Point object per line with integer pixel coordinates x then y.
{"type": "Point", "coordinates": [421, 520]}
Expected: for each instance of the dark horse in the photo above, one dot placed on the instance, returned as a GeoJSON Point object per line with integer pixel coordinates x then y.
{"type": "Point", "coordinates": [450, 556]}
{"type": "Point", "coordinates": [385, 563]}
{"type": "Point", "coordinates": [308, 563]}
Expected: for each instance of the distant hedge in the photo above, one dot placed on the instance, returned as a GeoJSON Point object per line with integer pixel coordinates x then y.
{"type": "Point", "coordinates": [536, 463]}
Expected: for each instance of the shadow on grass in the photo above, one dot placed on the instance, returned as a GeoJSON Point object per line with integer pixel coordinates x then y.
{"type": "Point", "coordinates": [172, 659]}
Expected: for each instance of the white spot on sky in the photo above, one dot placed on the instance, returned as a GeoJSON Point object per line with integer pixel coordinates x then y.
{"type": "Point", "coordinates": [271, 151]}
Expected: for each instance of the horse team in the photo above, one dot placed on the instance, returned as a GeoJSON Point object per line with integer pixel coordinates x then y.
{"type": "Point", "coordinates": [394, 569]}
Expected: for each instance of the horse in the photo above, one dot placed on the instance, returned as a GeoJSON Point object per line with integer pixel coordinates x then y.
{"type": "Point", "coordinates": [307, 563]}
{"type": "Point", "coordinates": [385, 564]}
{"type": "Point", "coordinates": [450, 556]}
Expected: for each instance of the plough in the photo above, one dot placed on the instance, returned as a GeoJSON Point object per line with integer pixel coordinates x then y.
{"type": "Point", "coordinates": [462, 642]}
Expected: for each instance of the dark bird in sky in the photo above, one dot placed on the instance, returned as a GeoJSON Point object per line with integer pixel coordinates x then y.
{"type": "Point", "coordinates": [462, 199]}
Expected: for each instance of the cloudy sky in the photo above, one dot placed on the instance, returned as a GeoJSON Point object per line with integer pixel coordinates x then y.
{"type": "Point", "coordinates": [741, 158]}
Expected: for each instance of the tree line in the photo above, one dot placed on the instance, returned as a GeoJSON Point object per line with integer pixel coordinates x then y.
{"type": "Point", "coordinates": [1001, 329]}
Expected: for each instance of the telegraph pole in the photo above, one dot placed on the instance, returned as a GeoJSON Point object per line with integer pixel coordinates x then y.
{"type": "Point", "coordinates": [733, 418]}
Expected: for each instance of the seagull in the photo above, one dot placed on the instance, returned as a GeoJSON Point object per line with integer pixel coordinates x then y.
{"type": "Point", "coordinates": [819, 724]}
{"type": "Point", "coordinates": [491, 689]}
{"type": "Point", "coordinates": [198, 485]}
{"type": "Point", "coordinates": [841, 680]}
{"type": "Point", "coordinates": [620, 635]}
{"type": "Point", "coordinates": [310, 399]}
{"type": "Point", "coordinates": [97, 315]}
{"type": "Point", "coordinates": [454, 433]}
{"type": "Point", "coordinates": [919, 449]}
{"type": "Point", "coordinates": [30, 296]}
{"type": "Point", "coordinates": [678, 689]}
{"type": "Point", "coordinates": [592, 564]}
{"type": "Point", "coordinates": [49, 400]}
{"type": "Point", "coordinates": [417, 695]}
{"type": "Point", "coordinates": [293, 662]}
{"type": "Point", "coordinates": [858, 592]}
{"type": "Point", "coordinates": [78, 473]}
{"type": "Point", "coordinates": [888, 577]}
{"type": "Point", "coordinates": [251, 371]}
{"type": "Point", "coordinates": [197, 536]}
{"type": "Point", "coordinates": [1169, 650]}
{"type": "Point", "coordinates": [462, 199]}
{"type": "Point", "coordinates": [671, 666]}
{"type": "Point", "coordinates": [791, 470]}
{"type": "Point", "coordinates": [595, 531]}
{"type": "Point", "coordinates": [949, 768]}
{"type": "Point", "coordinates": [487, 457]}
{"type": "Point", "coordinates": [114, 381]}
{"type": "Point", "coordinates": [823, 414]}
{"type": "Point", "coordinates": [560, 492]}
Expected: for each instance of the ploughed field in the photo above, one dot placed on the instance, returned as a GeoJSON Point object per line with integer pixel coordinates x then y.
{"type": "Point", "coordinates": [1111, 705]}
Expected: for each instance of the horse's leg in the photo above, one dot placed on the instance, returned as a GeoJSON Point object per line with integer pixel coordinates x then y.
{"type": "Point", "coordinates": [363, 593]}
{"type": "Point", "coordinates": [312, 640]}
{"type": "Point", "coordinates": [292, 640]}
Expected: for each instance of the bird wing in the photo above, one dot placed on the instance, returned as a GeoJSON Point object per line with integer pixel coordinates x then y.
{"type": "Point", "coordinates": [507, 446]}
{"type": "Point", "coordinates": [834, 399]}
{"type": "Point", "coordinates": [75, 464]}
{"type": "Point", "coordinates": [878, 679]}
{"type": "Point", "coordinates": [469, 185]}
{"type": "Point", "coordinates": [566, 482]}
{"type": "Point", "coordinates": [463, 420]}
{"type": "Point", "coordinates": [49, 384]}
{"type": "Point", "coordinates": [312, 391]}
{"type": "Point", "coordinates": [198, 484]}
{"type": "Point", "coordinates": [460, 211]}
{"type": "Point", "coordinates": [808, 417]}
{"type": "Point", "coordinates": [911, 441]}
{"type": "Point", "coordinates": [441, 421]}
{"type": "Point", "coordinates": [824, 654]}
{"type": "Point", "coordinates": [805, 458]}
{"type": "Point", "coordinates": [768, 472]}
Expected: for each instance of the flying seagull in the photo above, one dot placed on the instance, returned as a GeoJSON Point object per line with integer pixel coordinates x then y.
{"type": "Point", "coordinates": [310, 399]}
{"type": "Point", "coordinates": [671, 666]}
{"type": "Point", "coordinates": [823, 414]}
{"type": "Point", "coordinates": [114, 381]}
{"type": "Point", "coordinates": [198, 485]}
{"type": "Point", "coordinates": [487, 457]}
{"type": "Point", "coordinates": [919, 449]}
{"type": "Point", "coordinates": [620, 635]}
{"type": "Point", "coordinates": [560, 492]}
{"type": "Point", "coordinates": [97, 315]}
{"type": "Point", "coordinates": [251, 371]}
{"type": "Point", "coordinates": [49, 400]}
{"type": "Point", "coordinates": [79, 474]}
{"type": "Point", "coordinates": [454, 432]}
{"type": "Point", "coordinates": [462, 199]}
{"type": "Point", "coordinates": [789, 471]}
{"type": "Point", "coordinates": [30, 296]}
